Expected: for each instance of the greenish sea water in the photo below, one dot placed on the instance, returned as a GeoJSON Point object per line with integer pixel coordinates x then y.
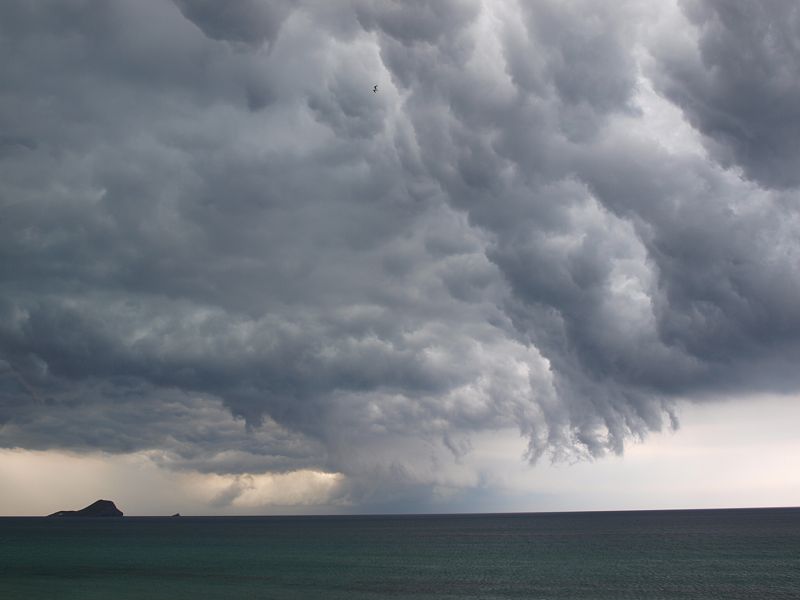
{"type": "Point", "coordinates": [704, 554]}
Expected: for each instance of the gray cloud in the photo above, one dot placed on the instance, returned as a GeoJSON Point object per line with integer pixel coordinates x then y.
{"type": "Point", "coordinates": [250, 21]}
{"type": "Point", "coordinates": [244, 261]}
{"type": "Point", "coordinates": [739, 86]}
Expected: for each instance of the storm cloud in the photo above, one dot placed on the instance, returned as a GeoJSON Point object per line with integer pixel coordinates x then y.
{"type": "Point", "coordinates": [222, 248]}
{"type": "Point", "coordinates": [740, 85]}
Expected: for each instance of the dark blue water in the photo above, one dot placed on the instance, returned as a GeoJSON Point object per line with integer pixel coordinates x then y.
{"type": "Point", "coordinates": [719, 554]}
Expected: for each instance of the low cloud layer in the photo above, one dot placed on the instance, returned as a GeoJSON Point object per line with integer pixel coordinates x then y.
{"type": "Point", "coordinates": [222, 248]}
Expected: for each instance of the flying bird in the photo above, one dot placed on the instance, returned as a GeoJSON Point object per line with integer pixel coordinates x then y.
{"type": "Point", "coordinates": [374, 89]}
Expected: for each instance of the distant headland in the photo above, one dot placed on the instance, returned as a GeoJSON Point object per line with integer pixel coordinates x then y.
{"type": "Point", "coordinates": [101, 508]}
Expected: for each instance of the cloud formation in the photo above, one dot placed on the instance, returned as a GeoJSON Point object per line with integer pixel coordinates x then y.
{"type": "Point", "coordinates": [739, 85]}
{"type": "Point", "coordinates": [253, 22]}
{"type": "Point", "coordinates": [224, 249]}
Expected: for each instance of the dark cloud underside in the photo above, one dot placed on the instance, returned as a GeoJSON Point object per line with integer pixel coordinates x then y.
{"type": "Point", "coordinates": [220, 246]}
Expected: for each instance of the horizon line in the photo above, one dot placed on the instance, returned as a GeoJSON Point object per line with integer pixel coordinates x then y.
{"type": "Point", "coordinates": [408, 514]}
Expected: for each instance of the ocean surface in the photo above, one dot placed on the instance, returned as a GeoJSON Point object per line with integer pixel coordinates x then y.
{"type": "Point", "coordinates": [704, 554]}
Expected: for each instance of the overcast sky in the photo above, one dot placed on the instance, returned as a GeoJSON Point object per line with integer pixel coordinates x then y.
{"type": "Point", "coordinates": [555, 253]}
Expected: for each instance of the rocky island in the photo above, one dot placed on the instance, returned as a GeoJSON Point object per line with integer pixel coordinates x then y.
{"type": "Point", "coordinates": [100, 508]}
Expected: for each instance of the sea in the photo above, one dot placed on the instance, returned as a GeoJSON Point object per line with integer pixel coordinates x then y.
{"type": "Point", "coordinates": [694, 554]}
